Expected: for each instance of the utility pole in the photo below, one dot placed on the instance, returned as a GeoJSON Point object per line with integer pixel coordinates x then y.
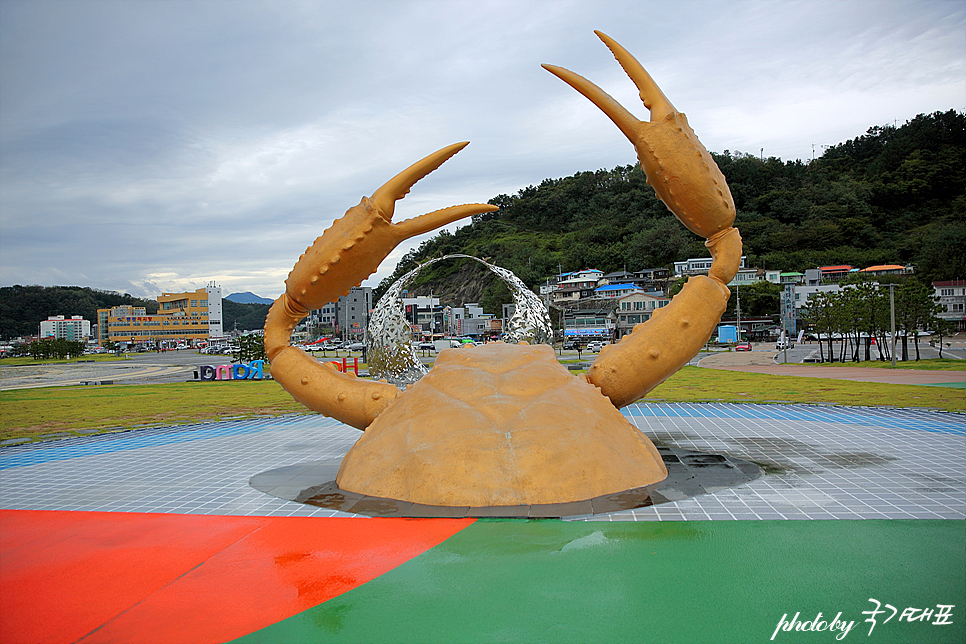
{"type": "Point", "coordinates": [892, 319]}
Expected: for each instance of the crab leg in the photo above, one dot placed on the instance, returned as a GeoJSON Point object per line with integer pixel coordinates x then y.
{"type": "Point", "coordinates": [688, 181]}
{"type": "Point", "coordinates": [346, 253]}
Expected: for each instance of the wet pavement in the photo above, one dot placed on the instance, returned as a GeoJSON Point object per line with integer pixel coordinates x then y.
{"type": "Point", "coordinates": [160, 535]}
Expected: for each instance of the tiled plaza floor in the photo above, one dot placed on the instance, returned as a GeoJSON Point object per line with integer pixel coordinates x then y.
{"type": "Point", "coordinates": [156, 535]}
{"type": "Point", "coordinates": [820, 463]}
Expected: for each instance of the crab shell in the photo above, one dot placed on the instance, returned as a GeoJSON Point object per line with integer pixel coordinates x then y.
{"type": "Point", "coordinates": [499, 425]}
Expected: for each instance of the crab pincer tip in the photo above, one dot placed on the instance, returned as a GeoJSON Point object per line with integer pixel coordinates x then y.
{"type": "Point", "coordinates": [398, 187]}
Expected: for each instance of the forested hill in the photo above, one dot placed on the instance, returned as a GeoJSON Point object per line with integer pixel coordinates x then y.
{"type": "Point", "coordinates": [23, 308]}
{"type": "Point", "coordinates": [893, 195]}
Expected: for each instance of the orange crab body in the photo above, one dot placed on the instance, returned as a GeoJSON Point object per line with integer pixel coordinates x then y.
{"type": "Point", "coordinates": [498, 425]}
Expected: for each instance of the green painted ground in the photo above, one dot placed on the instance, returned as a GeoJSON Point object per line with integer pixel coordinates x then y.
{"type": "Point", "coordinates": [714, 581]}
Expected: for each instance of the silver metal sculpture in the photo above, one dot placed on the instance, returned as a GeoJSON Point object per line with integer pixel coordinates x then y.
{"type": "Point", "coordinates": [392, 356]}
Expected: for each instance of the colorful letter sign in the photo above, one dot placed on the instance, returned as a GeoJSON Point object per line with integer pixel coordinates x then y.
{"type": "Point", "coordinates": [254, 370]}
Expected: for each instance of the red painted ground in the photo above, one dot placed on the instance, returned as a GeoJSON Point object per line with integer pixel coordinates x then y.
{"type": "Point", "coordinates": [128, 577]}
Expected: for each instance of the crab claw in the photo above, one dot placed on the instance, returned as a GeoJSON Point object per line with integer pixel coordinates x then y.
{"type": "Point", "coordinates": [677, 165]}
{"type": "Point", "coordinates": [384, 199]}
{"type": "Point", "coordinates": [689, 182]}
{"type": "Point", "coordinates": [365, 235]}
{"type": "Point", "coordinates": [354, 246]}
{"type": "Point", "coordinates": [348, 252]}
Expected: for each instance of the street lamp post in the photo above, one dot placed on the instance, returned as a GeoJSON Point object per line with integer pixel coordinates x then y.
{"type": "Point", "coordinates": [738, 309]}
{"type": "Point", "coordinates": [784, 339]}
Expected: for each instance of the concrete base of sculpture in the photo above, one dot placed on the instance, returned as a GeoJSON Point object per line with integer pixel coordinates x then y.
{"type": "Point", "coordinates": [689, 474]}
{"type": "Point", "coordinates": [500, 425]}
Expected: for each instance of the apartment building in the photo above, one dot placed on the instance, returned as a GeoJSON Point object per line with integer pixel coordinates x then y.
{"type": "Point", "coordinates": [74, 328]}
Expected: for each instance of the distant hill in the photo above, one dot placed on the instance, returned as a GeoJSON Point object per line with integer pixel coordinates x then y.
{"type": "Point", "coordinates": [237, 316]}
{"type": "Point", "coordinates": [23, 308]}
{"type": "Point", "coordinates": [248, 298]}
{"type": "Point", "coordinates": [896, 195]}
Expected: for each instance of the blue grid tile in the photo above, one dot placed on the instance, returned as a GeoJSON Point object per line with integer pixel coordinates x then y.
{"type": "Point", "coordinates": [824, 463]}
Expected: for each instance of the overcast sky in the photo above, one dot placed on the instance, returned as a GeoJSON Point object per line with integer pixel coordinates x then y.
{"type": "Point", "coordinates": [153, 146]}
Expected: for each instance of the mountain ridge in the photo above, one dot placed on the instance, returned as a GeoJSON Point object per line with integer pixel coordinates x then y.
{"type": "Point", "coordinates": [247, 297]}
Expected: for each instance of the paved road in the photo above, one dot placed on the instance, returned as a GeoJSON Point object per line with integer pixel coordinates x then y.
{"type": "Point", "coordinates": [138, 368]}
{"type": "Point", "coordinates": [763, 360]}
{"type": "Point", "coordinates": [142, 368]}
{"type": "Point", "coordinates": [177, 366]}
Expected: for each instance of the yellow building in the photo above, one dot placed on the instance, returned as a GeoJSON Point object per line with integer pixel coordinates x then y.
{"type": "Point", "coordinates": [182, 318]}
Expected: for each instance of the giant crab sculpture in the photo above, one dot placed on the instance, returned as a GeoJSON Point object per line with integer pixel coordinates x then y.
{"type": "Point", "coordinates": [505, 424]}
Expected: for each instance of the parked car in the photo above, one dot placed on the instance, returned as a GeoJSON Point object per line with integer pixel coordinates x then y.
{"type": "Point", "coordinates": [596, 345]}
{"type": "Point", "coordinates": [743, 346]}
{"type": "Point", "coordinates": [356, 346]}
{"type": "Point", "coordinates": [571, 345]}
{"type": "Point", "coordinates": [427, 346]}
{"type": "Point", "coordinates": [784, 344]}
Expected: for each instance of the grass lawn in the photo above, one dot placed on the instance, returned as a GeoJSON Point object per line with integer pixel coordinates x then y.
{"type": "Point", "coordinates": [696, 384]}
{"type": "Point", "coordinates": [34, 412]}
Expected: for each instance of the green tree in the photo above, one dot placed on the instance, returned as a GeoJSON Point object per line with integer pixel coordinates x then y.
{"type": "Point", "coordinates": [60, 348]}
{"type": "Point", "coordinates": [758, 299]}
{"type": "Point", "coordinates": [849, 314]}
{"type": "Point", "coordinates": [943, 329]}
{"type": "Point", "coordinates": [250, 347]}
{"type": "Point", "coordinates": [916, 308]}
{"type": "Point", "coordinates": [820, 315]}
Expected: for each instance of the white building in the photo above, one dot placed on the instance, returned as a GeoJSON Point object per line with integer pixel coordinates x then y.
{"type": "Point", "coordinates": [352, 313]}
{"type": "Point", "coordinates": [216, 327]}
{"type": "Point", "coordinates": [326, 315]}
{"type": "Point", "coordinates": [616, 290]}
{"type": "Point", "coordinates": [745, 276]}
{"type": "Point", "coordinates": [697, 266]}
{"type": "Point", "coordinates": [574, 287]}
{"type": "Point", "coordinates": [636, 308]}
{"type": "Point", "coordinates": [952, 297]}
{"type": "Point", "coordinates": [74, 328]}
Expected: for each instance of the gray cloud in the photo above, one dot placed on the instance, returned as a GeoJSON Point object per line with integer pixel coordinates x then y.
{"type": "Point", "coordinates": [151, 146]}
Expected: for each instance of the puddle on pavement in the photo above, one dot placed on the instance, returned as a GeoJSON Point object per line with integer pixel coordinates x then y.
{"type": "Point", "coordinates": [689, 474]}
{"type": "Point", "coordinates": [779, 455]}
